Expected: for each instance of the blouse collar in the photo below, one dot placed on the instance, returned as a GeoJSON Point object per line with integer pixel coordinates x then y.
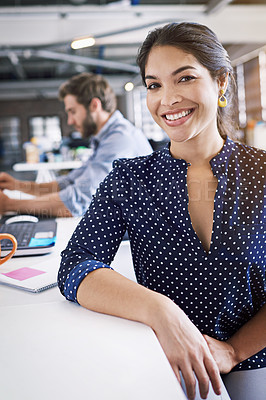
{"type": "Point", "coordinates": [218, 163]}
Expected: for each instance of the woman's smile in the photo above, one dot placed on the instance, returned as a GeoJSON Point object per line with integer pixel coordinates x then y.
{"type": "Point", "coordinates": [178, 117]}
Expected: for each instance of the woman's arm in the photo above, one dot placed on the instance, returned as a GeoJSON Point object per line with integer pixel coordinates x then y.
{"type": "Point", "coordinates": [106, 291]}
{"type": "Point", "coordinates": [247, 341]}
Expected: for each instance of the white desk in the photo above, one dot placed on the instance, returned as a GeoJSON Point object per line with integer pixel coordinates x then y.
{"type": "Point", "coordinates": [53, 349]}
{"type": "Point", "coordinates": [45, 169]}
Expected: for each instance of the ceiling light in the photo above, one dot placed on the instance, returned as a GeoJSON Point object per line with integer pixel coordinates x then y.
{"type": "Point", "coordinates": [83, 42]}
{"type": "Point", "coordinates": [129, 86]}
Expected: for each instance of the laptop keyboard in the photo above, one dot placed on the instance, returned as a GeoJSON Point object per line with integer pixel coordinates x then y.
{"type": "Point", "coordinates": [22, 232]}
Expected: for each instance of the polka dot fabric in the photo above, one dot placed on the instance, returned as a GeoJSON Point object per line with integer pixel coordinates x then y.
{"type": "Point", "coordinates": [147, 196]}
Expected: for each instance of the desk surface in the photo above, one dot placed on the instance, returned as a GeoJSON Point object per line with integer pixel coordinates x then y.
{"type": "Point", "coordinates": [54, 349]}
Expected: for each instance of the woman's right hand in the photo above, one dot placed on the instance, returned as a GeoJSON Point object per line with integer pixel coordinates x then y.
{"type": "Point", "coordinates": [8, 182]}
{"type": "Point", "coordinates": [186, 350]}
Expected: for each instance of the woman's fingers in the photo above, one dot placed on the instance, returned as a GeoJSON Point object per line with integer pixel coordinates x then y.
{"type": "Point", "coordinates": [200, 367]}
{"type": "Point", "coordinates": [214, 374]}
{"type": "Point", "coordinates": [203, 380]}
{"type": "Point", "coordinates": [207, 371]}
{"type": "Point", "coordinates": [177, 373]}
{"type": "Point", "coordinates": [188, 377]}
{"type": "Point", "coordinates": [203, 374]}
{"type": "Point", "coordinates": [190, 381]}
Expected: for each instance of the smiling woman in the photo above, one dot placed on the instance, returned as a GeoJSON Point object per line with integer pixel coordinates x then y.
{"type": "Point", "coordinates": [200, 42]}
{"type": "Point", "coordinates": [183, 97]}
{"type": "Point", "coordinates": [194, 212]}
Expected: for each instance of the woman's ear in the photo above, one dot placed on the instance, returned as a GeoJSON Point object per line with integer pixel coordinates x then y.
{"type": "Point", "coordinates": [223, 81]}
{"type": "Point", "coordinates": [95, 104]}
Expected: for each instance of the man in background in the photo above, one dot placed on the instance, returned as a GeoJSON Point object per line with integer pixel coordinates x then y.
{"type": "Point", "coordinates": [90, 104]}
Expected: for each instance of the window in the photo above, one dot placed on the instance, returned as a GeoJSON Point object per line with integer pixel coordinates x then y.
{"type": "Point", "coordinates": [251, 82]}
{"type": "Point", "coordinates": [46, 132]}
{"type": "Point", "coordinates": [10, 138]}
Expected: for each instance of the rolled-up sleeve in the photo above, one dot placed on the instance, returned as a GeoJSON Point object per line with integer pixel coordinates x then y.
{"type": "Point", "coordinates": [96, 239]}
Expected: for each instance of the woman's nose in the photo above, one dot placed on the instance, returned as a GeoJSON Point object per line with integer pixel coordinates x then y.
{"type": "Point", "coordinates": [170, 96]}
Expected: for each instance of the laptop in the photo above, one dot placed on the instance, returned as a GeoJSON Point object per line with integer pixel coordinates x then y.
{"type": "Point", "coordinates": [34, 236]}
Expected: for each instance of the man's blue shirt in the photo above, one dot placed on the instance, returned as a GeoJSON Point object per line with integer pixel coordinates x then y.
{"type": "Point", "coordinates": [118, 138]}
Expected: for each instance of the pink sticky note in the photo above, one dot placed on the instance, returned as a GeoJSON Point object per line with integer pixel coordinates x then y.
{"type": "Point", "coordinates": [24, 273]}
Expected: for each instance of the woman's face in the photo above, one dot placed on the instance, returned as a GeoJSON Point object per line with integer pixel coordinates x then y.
{"type": "Point", "coordinates": [181, 94]}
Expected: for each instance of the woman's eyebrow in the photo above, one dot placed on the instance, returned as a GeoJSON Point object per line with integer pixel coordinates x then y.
{"type": "Point", "coordinates": [150, 77]}
{"type": "Point", "coordinates": [177, 71]}
{"type": "Point", "coordinates": [181, 69]}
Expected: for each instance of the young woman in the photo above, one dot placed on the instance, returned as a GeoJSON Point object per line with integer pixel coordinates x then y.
{"type": "Point", "coordinates": [194, 214]}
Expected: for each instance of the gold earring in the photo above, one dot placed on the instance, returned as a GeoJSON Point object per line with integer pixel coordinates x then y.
{"type": "Point", "coordinates": [222, 102]}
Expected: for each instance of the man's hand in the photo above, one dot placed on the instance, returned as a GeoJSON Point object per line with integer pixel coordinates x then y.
{"type": "Point", "coordinates": [3, 202]}
{"type": "Point", "coordinates": [8, 182]}
{"type": "Point", "coordinates": [223, 353]}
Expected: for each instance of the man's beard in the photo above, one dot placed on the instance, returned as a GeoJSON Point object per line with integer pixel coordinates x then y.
{"type": "Point", "coordinates": [89, 128]}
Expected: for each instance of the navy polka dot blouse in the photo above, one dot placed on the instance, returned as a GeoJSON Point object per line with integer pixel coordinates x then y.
{"type": "Point", "coordinates": [147, 196]}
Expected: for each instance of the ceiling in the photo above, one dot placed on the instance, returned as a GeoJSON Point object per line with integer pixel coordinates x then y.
{"type": "Point", "coordinates": [35, 37]}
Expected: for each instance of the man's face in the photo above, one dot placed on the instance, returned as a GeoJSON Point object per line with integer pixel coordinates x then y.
{"type": "Point", "coordinates": [79, 116]}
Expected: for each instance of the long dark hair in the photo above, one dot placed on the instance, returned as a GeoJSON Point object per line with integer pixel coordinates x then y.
{"type": "Point", "coordinates": [204, 45]}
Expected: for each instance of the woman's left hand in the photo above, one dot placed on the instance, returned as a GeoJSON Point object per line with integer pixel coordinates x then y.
{"type": "Point", "coordinates": [223, 353]}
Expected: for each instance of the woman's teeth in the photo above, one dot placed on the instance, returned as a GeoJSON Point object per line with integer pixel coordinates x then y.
{"type": "Point", "coordinates": [173, 117]}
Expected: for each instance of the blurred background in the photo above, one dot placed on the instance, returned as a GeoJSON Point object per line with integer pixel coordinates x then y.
{"type": "Point", "coordinates": [40, 47]}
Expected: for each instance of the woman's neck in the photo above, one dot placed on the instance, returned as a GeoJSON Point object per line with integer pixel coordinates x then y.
{"type": "Point", "coordinates": [198, 150]}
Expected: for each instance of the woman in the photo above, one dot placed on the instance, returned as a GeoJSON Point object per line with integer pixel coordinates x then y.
{"type": "Point", "coordinates": [194, 214]}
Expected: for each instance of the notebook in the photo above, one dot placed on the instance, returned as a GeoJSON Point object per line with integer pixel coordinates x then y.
{"type": "Point", "coordinates": [34, 236]}
{"type": "Point", "coordinates": [33, 278]}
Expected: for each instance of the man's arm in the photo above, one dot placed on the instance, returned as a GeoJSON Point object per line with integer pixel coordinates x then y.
{"type": "Point", "coordinates": [247, 341]}
{"type": "Point", "coordinates": [29, 187]}
{"type": "Point", "coordinates": [46, 205]}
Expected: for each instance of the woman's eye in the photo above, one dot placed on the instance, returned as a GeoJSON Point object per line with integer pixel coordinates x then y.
{"type": "Point", "coordinates": [152, 86]}
{"type": "Point", "coordinates": [187, 78]}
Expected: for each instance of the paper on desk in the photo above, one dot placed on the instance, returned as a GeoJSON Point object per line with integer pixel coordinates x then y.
{"type": "Point", "coordinates": [16, 194]}
{"type": "Point", "coordinates": [23, 273]}
{"type": "Point", "coordinates": [35, 279]}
